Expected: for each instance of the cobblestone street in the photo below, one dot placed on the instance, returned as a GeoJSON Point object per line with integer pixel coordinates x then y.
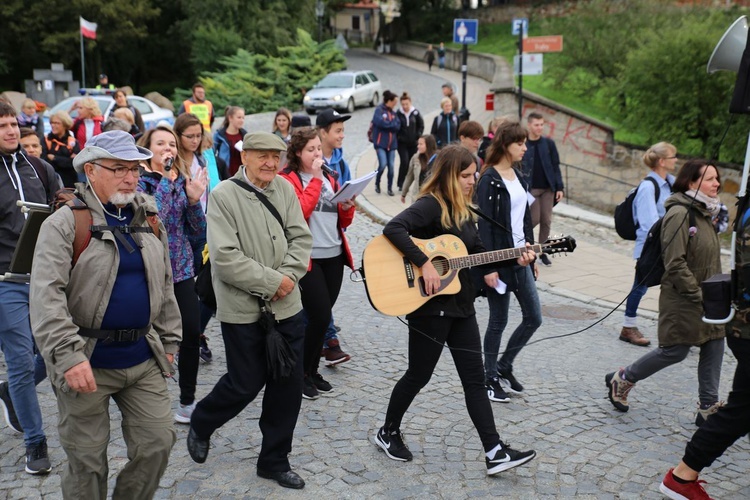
{"type": "Point", "coordinates": [585, 448]}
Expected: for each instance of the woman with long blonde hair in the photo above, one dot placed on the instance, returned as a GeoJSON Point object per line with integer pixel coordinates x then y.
{"type": "Point", "coordinates": [444, 207]}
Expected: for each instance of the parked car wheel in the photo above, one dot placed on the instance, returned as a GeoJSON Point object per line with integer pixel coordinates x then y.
{"type": "Point", "coordinates": [374, 101]}
{"type": "Point", "coordinates": [350, 105]}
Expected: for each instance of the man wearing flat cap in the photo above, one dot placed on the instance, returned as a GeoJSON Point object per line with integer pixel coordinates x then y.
{"type": "Point", "coordinates": [260, 245]}
{"type": "Point", "coordinates": [107, 324]}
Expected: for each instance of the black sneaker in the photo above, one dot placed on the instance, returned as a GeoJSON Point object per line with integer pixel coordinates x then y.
{"type": "Point", "coordinates": [506, 458]}
{"type": "Point", "coordinates": [205, 353]}
{"type": "Point", "coordinates": [8, 411]}
{"type": "Point", "coordinates": [321, 384]}
{"type": "Point", "coordinates": [377, 189]}
{"type": "Point", "coordinates": [392, 443]}
{"type": "Point", "coordinates": [309, 391]}
{"type": "Point", "coordinates": [37, 461]}
{"type": "Point", "coordinates": [509, 382]}
{"type": "Point", "coordinates": [390, 192]}
{"type": "Point", "coordinates": [496, 393]}
{"type": "Point", "coordinates": [545, 260]}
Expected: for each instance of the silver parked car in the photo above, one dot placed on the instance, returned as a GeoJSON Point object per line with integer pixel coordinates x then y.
{"type": "Point", "coordinates": [150, 112]}
{"type": "Point", "coordinates": [344, 90]}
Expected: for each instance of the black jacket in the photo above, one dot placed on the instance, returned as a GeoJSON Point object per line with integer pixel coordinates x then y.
{"type": "Point", "coordinates": [408, 134]}
{"type": "Point", "coordinates": [14, 169]}
{"type": "Point", "coordinates": [493, 200]}
{"type": "Point", "coordinates": [422, 220]}
{"type": "Point", "coordinates": [445, 129]}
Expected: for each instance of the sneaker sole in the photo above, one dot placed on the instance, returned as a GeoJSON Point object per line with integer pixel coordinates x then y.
{"type": "Point", "coordinates": [498, 400]}
{"type": "Point", "coordinates": [671, 494]}
{"type": "Point", "coordinates": [310, 398]}
{"type": "Point", "coordinates": [509, 465]}
{"type": "Point", "coordinates": [608, 382]}
{"type": "Point", "coordinates": [6, 414]}
{"type": "Point", "coordinates": [337, 361]}
{"type": "Point", "coordinates": [383, 447]}
{"type": "Point", "coordinates": [39, 472]}
{"type": "Point", "coordinates": [181, 420]}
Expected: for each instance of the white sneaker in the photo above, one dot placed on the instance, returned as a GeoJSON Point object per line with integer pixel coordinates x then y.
{"type": "Point", "coordinates": [184, 412]}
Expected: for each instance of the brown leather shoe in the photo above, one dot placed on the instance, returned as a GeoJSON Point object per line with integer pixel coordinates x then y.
{"type": "Point", "coordinates": [633, 336]}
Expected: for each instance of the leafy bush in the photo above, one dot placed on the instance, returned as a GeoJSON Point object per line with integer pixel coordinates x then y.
{"type": "Point", "coordinates": [258, 82]}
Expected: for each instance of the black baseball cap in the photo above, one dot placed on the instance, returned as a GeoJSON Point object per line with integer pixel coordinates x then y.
{"type": "Point", "coordinates": [328, 116]}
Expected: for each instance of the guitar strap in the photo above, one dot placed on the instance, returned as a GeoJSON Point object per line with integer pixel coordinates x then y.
{"type": "Point", "coordinates": [489, 219]}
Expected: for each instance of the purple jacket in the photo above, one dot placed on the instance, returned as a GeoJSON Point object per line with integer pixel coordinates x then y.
{"type": "Point", "coordinates": [181, 219]}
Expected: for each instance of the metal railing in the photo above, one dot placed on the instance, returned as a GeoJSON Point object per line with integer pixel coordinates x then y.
{"type": "Point", "coordinates": [568, 166]}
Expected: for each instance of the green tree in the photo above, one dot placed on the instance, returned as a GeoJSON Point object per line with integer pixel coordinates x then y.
{"type": "Point", "coordinates": [669, 95]}
{"type": "Point", "coordinates": [258, 82]}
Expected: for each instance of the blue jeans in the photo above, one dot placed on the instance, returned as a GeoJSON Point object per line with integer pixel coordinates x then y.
{"type": "Point", "coordinates": [634, 299]}
{"type": "Point", "coordinates": [331, 333]}
{"type": "Point", "coordinates": [17, 345]}
{"type": "Point", "coordinates": [385, 159]}
{"type": "Point", "coordinates": [531, 311]}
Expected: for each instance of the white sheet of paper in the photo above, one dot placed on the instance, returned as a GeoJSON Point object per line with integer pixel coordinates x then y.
{"type": "Point", "coordinates": [530, 198]}
{"type": "Point", "coordinates": [353, 187]}
{"type": "Point", "coordinates": [238, 146]}
{"type": "Point", "coordinates": [501, 287]}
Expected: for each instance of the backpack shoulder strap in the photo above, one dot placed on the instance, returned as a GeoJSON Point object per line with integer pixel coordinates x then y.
{"type": "Point", "coordinates": [657, 191]}
{"type": "Point", "coordinates": [83, 222]}
{"type": "Point", "coordinates": [41, 172]}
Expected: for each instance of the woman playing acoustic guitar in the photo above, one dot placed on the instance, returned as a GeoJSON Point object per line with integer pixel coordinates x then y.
{"type": "Point", "coordinates": [443, 207]}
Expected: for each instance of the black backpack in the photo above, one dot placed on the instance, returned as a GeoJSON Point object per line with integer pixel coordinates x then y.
{"type": "Point", "coordinates": [624, 223]}
{"type": "Point", "coordinates": [649, 268]}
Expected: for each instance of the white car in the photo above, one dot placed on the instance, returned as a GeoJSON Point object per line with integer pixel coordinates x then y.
{"type": "Point", "coordinates": [344, 91]}
{"type": "Point", "coordinates": [150, 112]}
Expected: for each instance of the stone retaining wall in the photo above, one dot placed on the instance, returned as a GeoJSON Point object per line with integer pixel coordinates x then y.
{"type": "Point", "coordinates": [600, 170]}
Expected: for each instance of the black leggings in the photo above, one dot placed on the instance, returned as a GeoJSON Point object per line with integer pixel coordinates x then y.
{"type": "Point", "coordinates": [187, 300]}
{"type": "Point", "coordinates": [320, 289]}
{"type": "Point", "coordinates": [462, 335]}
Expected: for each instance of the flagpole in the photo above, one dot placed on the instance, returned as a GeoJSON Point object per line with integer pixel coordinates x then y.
{"type": "Point", "coordinates": [83, 61]}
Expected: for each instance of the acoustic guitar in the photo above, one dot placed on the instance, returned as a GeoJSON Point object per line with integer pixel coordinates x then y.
{"type": "Point", "coordinates": [395, 286]}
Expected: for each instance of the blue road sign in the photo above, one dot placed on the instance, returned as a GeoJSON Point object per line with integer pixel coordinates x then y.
{"type": "Point", "coordinates": [465, 31]}
{"type": "Point", "coordinates": [518, 24]}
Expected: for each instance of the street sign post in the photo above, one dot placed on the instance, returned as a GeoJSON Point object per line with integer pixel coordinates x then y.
{"type": "Point", "coordinates": [465, 32]}
{"type": "Point", "coordinates": [543, 44]}
{"type": "Point", "coordinates": [520, 28]}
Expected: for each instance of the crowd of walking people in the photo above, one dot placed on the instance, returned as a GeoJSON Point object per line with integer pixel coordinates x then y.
{"type": "Point", "coordinates": [261, 206]}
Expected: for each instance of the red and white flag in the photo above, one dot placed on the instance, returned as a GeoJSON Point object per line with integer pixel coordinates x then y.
{"type": "Point", "coordinates": [88, 29]}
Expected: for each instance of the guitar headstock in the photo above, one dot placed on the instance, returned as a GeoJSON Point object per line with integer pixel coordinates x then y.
{"type": "Point", "coordinates": [559, 244]}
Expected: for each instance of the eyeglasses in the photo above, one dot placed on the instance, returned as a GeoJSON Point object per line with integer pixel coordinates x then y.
{"type": "Point", "coordinates": [121, 172]}
{"type": "Point", "coordinates": [55, 123]}
{"type": "Point", "coordinates": [192, 137]}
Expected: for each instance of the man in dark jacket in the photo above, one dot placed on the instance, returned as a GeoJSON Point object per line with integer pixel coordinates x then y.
{"type": "Point", "coordinates": [20, 181]}
{"type": "Point", "coordinates": [541, 168]}
{"type": "Point", "coordinates": [412, 128]}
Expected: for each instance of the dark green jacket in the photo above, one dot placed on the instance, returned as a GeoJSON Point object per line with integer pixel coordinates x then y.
{"type": "Point", "coordinates": [688, 261]}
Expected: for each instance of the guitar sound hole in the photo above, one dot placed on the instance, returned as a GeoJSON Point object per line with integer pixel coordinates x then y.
{"type": "Point", "coordinates": [441, 265]}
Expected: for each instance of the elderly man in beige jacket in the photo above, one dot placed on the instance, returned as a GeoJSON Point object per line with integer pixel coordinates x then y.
{"type": "Point", "coordinates": [107, 324]}
{"type": "Point", "coordinates": [258, 254]}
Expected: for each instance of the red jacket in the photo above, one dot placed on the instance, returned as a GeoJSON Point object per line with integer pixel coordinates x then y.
{"type": "Point", "coordinates": [79, 129]}
{"type": "Point", "coordinates": [308, 199]}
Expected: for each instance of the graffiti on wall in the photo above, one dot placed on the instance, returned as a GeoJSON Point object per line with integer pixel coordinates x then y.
{"type": "Point", "coordinates": [570, 132]}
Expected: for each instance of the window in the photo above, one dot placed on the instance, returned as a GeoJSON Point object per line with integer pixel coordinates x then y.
{"type": "Point", "coordinates": [361, 80]}
{"type": "Point", "coordinates": [372, 77]}
{"type": "Point", "coordinates": [355, 23]}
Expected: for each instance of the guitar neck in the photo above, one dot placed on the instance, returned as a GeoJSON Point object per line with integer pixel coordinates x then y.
{"type": "Point", "coordinates": [479, 259]}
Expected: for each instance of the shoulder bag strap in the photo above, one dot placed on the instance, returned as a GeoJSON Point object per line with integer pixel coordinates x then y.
{"type": "Point", "coordinates": [262, 198]}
